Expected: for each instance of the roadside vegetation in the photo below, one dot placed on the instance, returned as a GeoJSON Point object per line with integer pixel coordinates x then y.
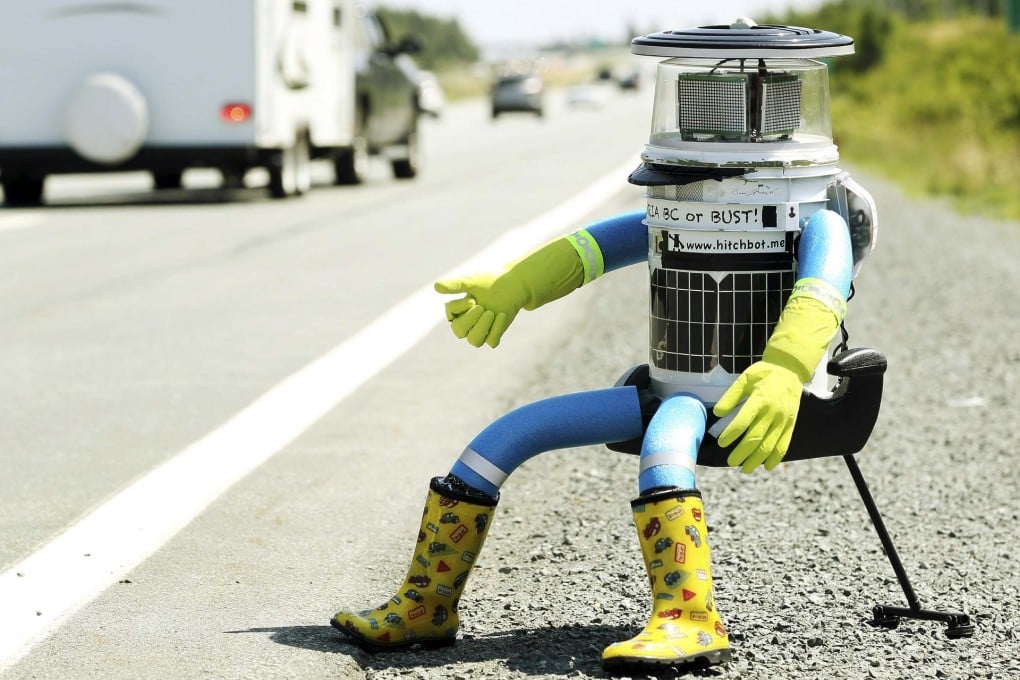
{"type": "Point", "coordinates": [931, 99]}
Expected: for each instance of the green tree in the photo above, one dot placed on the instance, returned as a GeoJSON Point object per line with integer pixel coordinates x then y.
{"type": "Point", "coordinates": [444, 43]}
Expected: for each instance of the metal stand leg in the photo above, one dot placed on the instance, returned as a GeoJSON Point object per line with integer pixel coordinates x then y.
{"type": "Point", "coordinates": [959, 625]}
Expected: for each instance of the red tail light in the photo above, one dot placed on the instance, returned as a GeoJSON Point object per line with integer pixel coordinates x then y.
{"type": "Point", "coordinates": [235, 113]}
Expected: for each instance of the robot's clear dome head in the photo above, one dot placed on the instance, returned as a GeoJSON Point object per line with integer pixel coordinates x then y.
{"type": "Point", "coordinates": [740, 100]}
{"type": "Point", "coordinates": [742, 94]}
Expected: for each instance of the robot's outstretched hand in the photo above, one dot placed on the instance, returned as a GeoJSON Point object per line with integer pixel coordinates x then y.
{"type": "Point", "coordinates": [492, 300]}
{"type": "Point", "coordinates": [765, 419]}
{"type": "Point", "coordinates": [488, 307]}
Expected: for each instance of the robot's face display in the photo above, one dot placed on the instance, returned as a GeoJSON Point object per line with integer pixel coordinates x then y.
{"type": "Point", "coordinates": [740, 100]}
{"type": "Point", "coordinates": [741, 106]}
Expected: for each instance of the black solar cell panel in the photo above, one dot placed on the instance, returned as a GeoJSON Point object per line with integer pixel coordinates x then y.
{"type": "Point", "coordinates": [699, 320]}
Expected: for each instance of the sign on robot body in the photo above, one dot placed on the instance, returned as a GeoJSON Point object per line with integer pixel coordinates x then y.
{"type": "Point", "coordinates": [725, 216]}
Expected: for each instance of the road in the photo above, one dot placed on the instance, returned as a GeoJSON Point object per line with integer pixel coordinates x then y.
{"type": "Point", "coordinates": [257, 341]}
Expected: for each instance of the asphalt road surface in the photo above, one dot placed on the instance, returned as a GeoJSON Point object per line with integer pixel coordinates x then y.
{"type": "Point", "coordinates": [221, 412]}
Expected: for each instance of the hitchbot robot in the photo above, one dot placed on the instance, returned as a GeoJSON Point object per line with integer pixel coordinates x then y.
{"type": "Point", "coordinates": [752, 236]}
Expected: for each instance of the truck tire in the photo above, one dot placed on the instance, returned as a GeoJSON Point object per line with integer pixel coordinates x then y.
{"type": "Point", "coordinates": [293, 175]}
{"type": "Point", "coordinates": [351, 165]}
{"type": "Point", "coordinates": [22, 190]}
{"type": "Point", "coordinates": [281, 177]}
{"type": "Point", "coordinates": [233, 178]}
{"type": "Point", "coordinates": [303, 165]}
{"type": "Point", "coordinates": [408, 166]}
{"type": "Point", "coordinates": [167, 180]}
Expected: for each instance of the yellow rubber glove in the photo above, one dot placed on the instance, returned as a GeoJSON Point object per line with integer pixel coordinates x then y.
{"type": "Point", "coordinates": [772, 386]}
{"type": "Point", "coordinates": [492, 300]}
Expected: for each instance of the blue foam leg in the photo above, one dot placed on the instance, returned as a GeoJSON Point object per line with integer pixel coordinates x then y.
{"type": "Point", "coordinates": [580, 419]}
{"type": "Point", "coordinates": [669, 452]}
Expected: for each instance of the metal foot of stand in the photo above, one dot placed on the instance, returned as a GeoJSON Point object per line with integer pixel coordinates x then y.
{"type": "Point", "coordinates": [958, 624]}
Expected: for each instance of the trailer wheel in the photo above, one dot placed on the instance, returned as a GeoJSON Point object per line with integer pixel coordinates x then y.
{"type": "Point", "coordinates": [21, 190]}
{"type": "Point", "coordinates": [281, 176]}
{"type": "Point", "coordinates": [233, 178]}
{"type": "Point", "coordinates": [302, 165]}
{"type": "Point", "coordinates": [408, 166]}
{"type": "Point", "coordinates": [351, 165]}
{"type": "Point", "coordinates": [293, 175]}
{"type": "Point", "coordinates": [167, 180]}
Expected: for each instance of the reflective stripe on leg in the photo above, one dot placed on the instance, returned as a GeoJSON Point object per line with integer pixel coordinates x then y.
{"type": "Point", "coordinates": [669, 453]}
{"type": "Point", "coordinates": [482, 467]}
{"type": "Point", "coordinates": [678, 458]}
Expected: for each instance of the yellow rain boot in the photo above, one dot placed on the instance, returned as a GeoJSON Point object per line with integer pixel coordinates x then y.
{"type": "Point", "coordinates": [424, 610]}
{"type": "Point", "coordinates": [685, 629]}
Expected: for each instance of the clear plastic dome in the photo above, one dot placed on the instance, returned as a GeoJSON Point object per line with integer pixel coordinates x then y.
{"type": "Point", "coordinates": [741, 101]}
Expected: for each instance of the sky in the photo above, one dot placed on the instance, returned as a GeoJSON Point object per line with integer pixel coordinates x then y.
{"type": "Point", "coordinates": [509, 22]}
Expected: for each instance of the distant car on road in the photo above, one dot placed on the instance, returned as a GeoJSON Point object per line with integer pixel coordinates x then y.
{"type": "Point", "coordinates": [588, 96]}
{"type": "Point", "coordinates": [518, 92]}
{"type": "Point", "coordinates": [630, 80]}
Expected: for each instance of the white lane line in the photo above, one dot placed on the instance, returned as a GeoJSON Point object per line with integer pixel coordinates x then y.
{"type": "Point", "coordinates": [16, 222]}
{"type": "Point", "coordinates": [40, 593]}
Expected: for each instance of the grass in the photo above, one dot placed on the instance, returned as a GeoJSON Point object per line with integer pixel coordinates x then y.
{"type": "Point", "coordinates": [940, 114]}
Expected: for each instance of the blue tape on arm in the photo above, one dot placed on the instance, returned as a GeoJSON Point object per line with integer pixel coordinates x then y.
{"type": "Point", "coordinates": [623, 239]}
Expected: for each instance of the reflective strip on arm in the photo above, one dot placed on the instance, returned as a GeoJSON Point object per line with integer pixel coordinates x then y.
{"type": "Point", "coordinates": [590, 254]}
{"type": "Point", "coordinates": [822, 291]}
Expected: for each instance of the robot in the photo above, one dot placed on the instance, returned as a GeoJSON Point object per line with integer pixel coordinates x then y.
{"type": "Point", "coordinates": [752, 236]}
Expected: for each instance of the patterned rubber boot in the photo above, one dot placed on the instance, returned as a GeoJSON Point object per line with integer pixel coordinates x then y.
{"type": "Point", "coordinates": [684, 630]}
{"type": "Point", "coordinates": [424, 610]}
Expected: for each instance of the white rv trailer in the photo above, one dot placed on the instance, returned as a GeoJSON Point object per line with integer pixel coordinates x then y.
{"type": "Point", "coordinates": [166, 85]}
